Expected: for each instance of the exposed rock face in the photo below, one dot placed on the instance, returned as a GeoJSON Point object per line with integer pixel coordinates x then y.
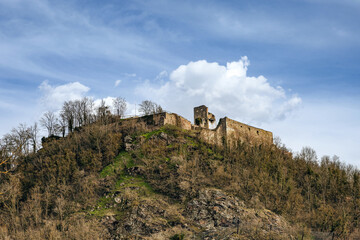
{"type": "Point", "coordinates": [134, 171]}
{"type": "Point", "coordinates": [211, 215]}
{"type": "Point", "coordinates": [225, 217]}
{"type": "Point", "coordinates": [128, 143]}
{"type": "Point", "coordinates": [149, 219]}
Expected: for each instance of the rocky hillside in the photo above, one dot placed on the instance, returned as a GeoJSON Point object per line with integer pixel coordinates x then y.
{"type": "Point", "coordinates": [114, 182]}
{"type": "Point", "coordinates": [147, 200]}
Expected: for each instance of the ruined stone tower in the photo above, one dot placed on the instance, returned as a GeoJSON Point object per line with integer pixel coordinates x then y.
{"type": "Point", "coordinates": [228, 132]}
{"type": "Point", "coordinates": [202, 117]}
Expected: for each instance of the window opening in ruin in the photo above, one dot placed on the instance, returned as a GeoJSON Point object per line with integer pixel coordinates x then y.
{"type": "Point", "coordinates": [198, 121]}
{"type": "Point", "coordinates": [257, 132]}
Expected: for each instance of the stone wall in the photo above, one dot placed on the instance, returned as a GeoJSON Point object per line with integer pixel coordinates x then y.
{"type": "Point", "coordinates": [201, 116]}
{"type": "Point", "coordinates": [237, 131]}
{"type": "Point", "coordinates": [215, 136]}
{"type": "Point", "coordinates": [179, 121]}
{"type": "Point", "coordinates": [155, 121]}
{"type": "Point", "coordinates": [228, 132]}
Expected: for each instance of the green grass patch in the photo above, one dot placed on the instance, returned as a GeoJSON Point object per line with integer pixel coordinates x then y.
{"type": "Point", "coordinates": [155, 132]}
{"type": "Point", "coordinates": [101, 212]}
{"type": "Point", "coordinates": [170, 146]}
{"type": "Point", "coordinates": [218, 156]}
{"type": "Point", "coordinates": [122, 160]}
{"type": "Point", "coordinates": [106, 205]}
{"type": "Point", "coordinates": [137, 183]}
{"type": "Point", "coordinates": [192, 142]}
{"type": "Point", "coordinates": [104, 201]}
{"type": "Point", "coordinates": [129, 163]}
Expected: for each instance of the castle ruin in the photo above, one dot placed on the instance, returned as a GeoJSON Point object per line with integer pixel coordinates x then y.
{"type": "Point", "coordinates": [202, 117]}
{"type": "Point", "coordinates": [228, 133]}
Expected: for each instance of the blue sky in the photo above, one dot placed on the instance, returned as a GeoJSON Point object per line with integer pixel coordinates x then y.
{"type": "Point", "coordinates": [291, 67]}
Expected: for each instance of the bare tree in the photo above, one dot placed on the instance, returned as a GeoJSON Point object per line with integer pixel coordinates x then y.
{"type": "Point", "coordinates": [9, 154]}
{"type": "Point", "coordinates": [77, 113]}
{"type": "Point", "coordinates": [67, 115]}
{"type": "Point", "coordinates": [21, 135]}
{"type": "Point", "coordinates": [33, 135]}
{"type": "Point", "coordinates": [86, 107]}
{"type": "Point", "coordinates": [91, 107]}
{"type": "Point", "coordinates": [82, 110]}
{"type": "Point", "coordinates": [120, 106]}
{"type": "Point", "coordinates": [19, 138]}
{"type": "Point", "coordinates": [148, 107]}
{"type": "Point", "coordinates": [62, 124]}
{"type": "Point", "coordinates": [49, 121]}
{"type": "Point", "coordinates": [308, 154]}
{"type": "Point", "coordinates": [158, 109]}
{"type": "Point", "coordinates": [3, 161]}
{"type": "Point", "coordinates": [103, 110]}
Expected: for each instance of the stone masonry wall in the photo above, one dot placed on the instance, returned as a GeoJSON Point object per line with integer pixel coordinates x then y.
{"type": "Point", "coordinates": [215, 136]}
{"type": "Point", "coordinates": [237, 131]}
{"type": "Point", "coordinates": [155, 121]}
{"type": "Point", "coordinates": [201, 116]}
{"type": "Point", "coordinates": [174, 119]}
{"type": "Point", "coordinates": [228, 132]}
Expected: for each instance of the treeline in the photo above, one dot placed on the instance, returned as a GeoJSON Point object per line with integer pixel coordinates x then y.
{"type": "Point", "coordinates": [79, 113]}
{"type": "Point", "coordinates": [43, 190]}
{"type": "Point", "coordinates": [82, 112]}
{"type": "Point", "coordinates": [23, 139]}
{"type": "Point", "coordinates": [47, 193]}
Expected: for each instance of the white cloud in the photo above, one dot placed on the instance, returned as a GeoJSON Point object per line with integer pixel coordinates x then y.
{"type": "Point", "coordinates": [162, 76]}
{"type": "Point", "coordinates": [130, 74]}
{"type": "Point", "coordinates": [117, 82]}
{"type": "Point", "coordinates": [55, 96]}
{"type": "Point", "coordinates": [224, 89]}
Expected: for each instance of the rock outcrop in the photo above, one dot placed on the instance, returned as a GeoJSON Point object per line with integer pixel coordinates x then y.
{"type": "Point", "coordinates": [220, 216]}
{"type": "Point", "coordinates": [211, 215]}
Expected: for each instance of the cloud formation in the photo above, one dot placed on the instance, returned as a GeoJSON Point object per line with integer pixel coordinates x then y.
{"type": "Point", "coordinates": [55, 96]}
{"type": "Point", "coordinates": [117, 82]}
{"type": "Point", "coordinates": [225, 90]}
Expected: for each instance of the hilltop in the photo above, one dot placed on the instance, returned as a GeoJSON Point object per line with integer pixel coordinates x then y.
{"type": "Point", "coordinates": [133, 179]}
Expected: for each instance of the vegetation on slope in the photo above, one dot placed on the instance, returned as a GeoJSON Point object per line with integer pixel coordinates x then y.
{"type": "Point", "coordinates": [87, 186]}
